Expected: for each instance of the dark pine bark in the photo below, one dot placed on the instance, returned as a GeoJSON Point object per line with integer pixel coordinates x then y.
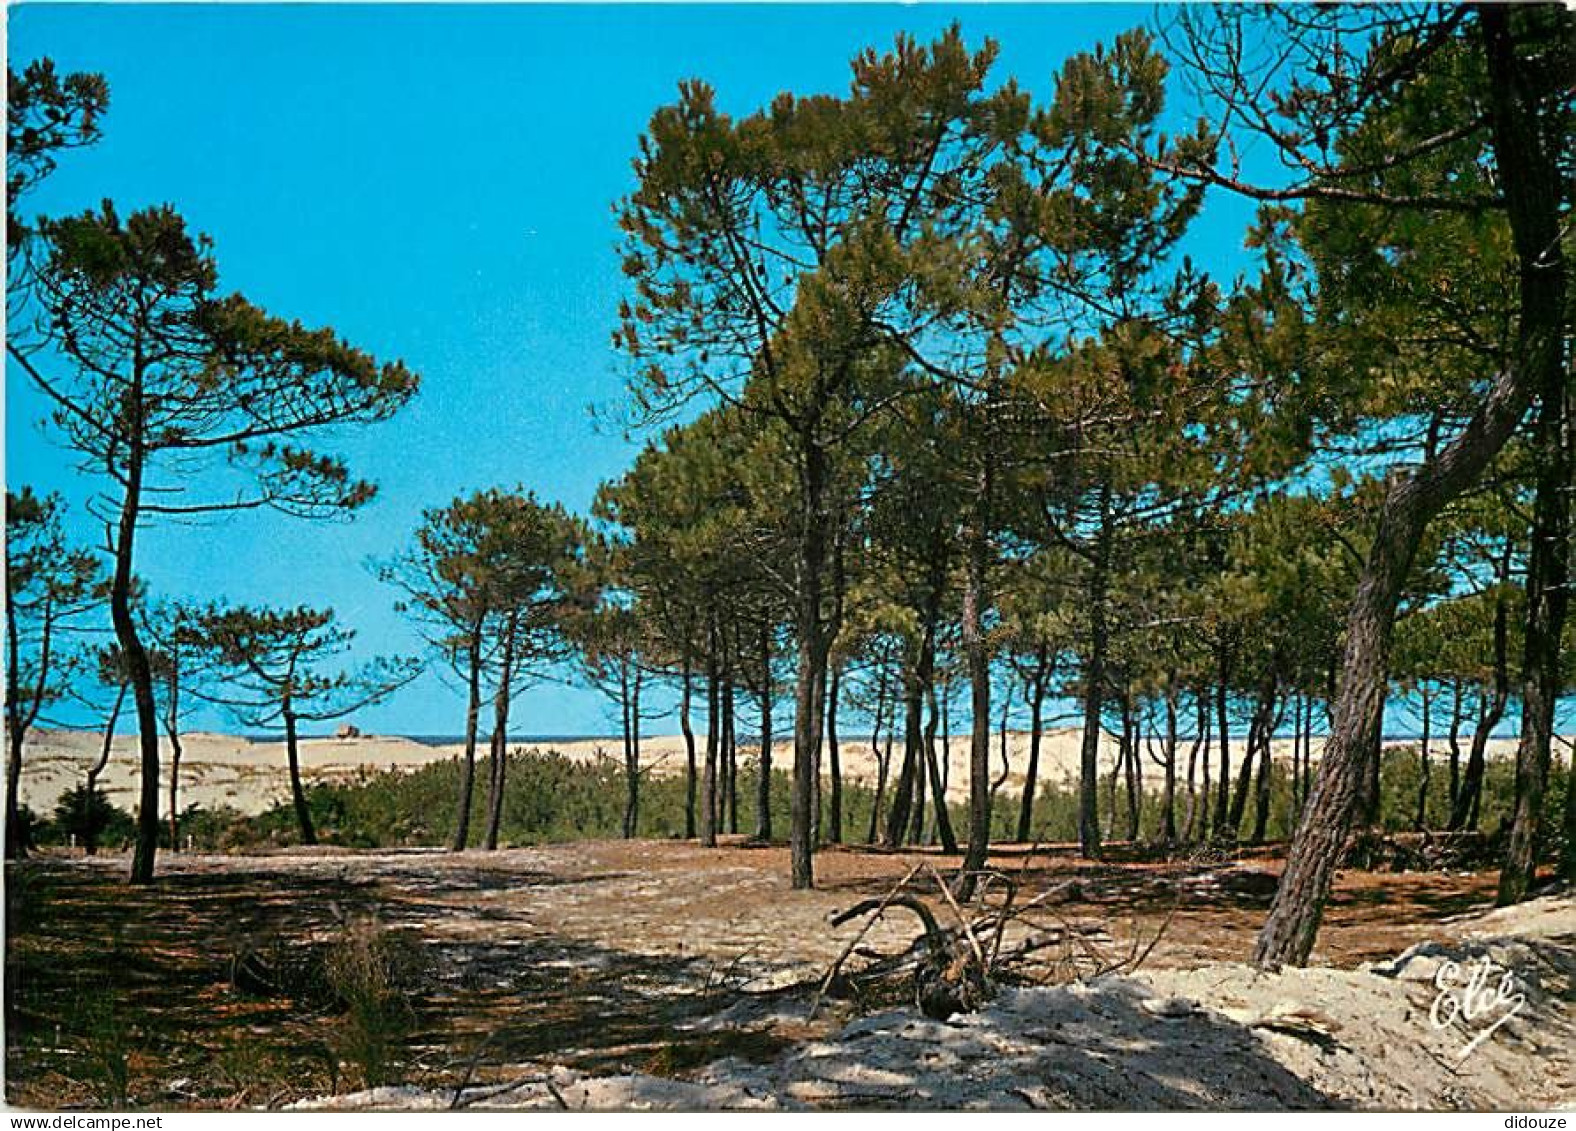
{"type": "Point", "coordinates": [812, 657]}
{"type": "Point", "coordinates": [1568, 830]}
{"type": "Point", "coordinates": [473, 711]}
{"type": "Point", "coordinates": [172, 730]}
{"type": "Point", "coordinates": [1224, 829]}
{"type": "Point", "coordinates": [689, 750]}
{"type": "Point", "coordinates": [938, 784]}
{"type": "Point", "coordinates": [1198, 803]}
{"type": "Point", "coordinates": [1261, 781]}
{"type": "Point", "coordinates": [917, 679]}
{"type": "Point", "coordinates": [1547, 596]}
{"type": "Point", "coordinates": [499, 765]}
{"type": "Point", "coordinates": [834, 757]}
{"type": "Point", "coordinates": [133, 653]}
{"type": "Point", "coordinates": [20, 721]}
{"type": "Point", "coordinates": [881, 759]}
{"type": "Point", "coordinates": [898, 818]}
{"type": "Point", "coordinates": [303, 811]}
{"type": "Point", "coordinates": [708, 799]}
{"type": "Point", "coordinates": [730, 753]}
{"type": "Point", "coordinates": [1131, 778]}
{"type": "Point", "coordinates": [1036, 715]}
{"type": "Point", "coordinates": [763, 786]}
{"type": "Point", "coordinates": [1168, 790]}
{"type": "Point", "coordinates": [1526, 158]}
{"type": "Point", "coordinates": [1453, 739]}
{"type": "Point", "coordinates": [1256, 726]}
{"type": "Point", "coordinates": [630, 686]}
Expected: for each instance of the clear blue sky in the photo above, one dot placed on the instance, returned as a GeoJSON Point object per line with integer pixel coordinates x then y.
{"type": "Point", "coordinates": [437, 183]}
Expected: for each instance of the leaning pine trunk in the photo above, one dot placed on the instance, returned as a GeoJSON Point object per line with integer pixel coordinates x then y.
{"type": "Point", "coordinates": [133, 654]}
{"type": "Point", "coordinates": [89, 831]}
{"type": "Point", "coordinates": [1530, 177]}
{"type": "Point", "coordinates": [1261, 782]}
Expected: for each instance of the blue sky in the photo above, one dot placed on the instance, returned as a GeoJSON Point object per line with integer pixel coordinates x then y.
{"type": "Point", "coordinates": [437, 184]}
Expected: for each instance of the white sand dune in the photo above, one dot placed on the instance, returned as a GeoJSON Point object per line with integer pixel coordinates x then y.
{"type": "Point", "coordinates": [250, 776]}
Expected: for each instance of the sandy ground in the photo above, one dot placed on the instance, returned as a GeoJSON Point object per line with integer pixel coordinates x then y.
{"type": "Point", "coordinates": [227, 770]}
{"type": "Point", "coordinates": [618, 974]}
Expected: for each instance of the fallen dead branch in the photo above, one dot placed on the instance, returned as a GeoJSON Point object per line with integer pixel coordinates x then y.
{"type": "Point", "coordinates": [949, 969]}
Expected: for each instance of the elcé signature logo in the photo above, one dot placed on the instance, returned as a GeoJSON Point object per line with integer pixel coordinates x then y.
{"type": "Point", "coordinates": [1480, 993]}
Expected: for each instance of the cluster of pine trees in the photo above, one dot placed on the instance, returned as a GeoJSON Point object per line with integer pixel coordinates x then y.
{"type": "Point", "coordinates": [956, 406]}
{"type": "Point", "coordinates": [950, 406]}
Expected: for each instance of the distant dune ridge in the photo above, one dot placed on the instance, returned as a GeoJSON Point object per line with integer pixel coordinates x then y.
{"type": "Point", "coordinates": [249, 775]}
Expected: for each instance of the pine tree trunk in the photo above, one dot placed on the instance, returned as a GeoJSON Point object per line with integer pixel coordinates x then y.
{"type": "Point", "coordinates": [1224, 829]}
{"type": "Point", "coordinates": [811, 660]}
{"type": "Point", "coordinates": [1420, 816]}
{"type": "Point", "coordinates": [763, 788]}
{"type": "Point", "coordinates": [1530, 177]}
{"type": "Point", "coordinates": [1465, 813]}
{"type": "Point", "coordinates": [1032, 770]}
{"type": "Point", "coordinates": [1197, 811]}
{"type": "Point", "coordinates": [1130, 760]}
{"type": "Point", "coordinates": [627, 706]}
{"type": "Point", "coordinates": [689, 750]}
{"type": "Point", "coordinates": [297, 794]}
{"type": "Point", "coordinates": [16, 724]}
{"type": "Point", "coordinates": [473, 710]}
{"type": "Point", "coordinates": [916, 824]}
{"type": "Point", "coordinates": [1547, 595]}
{"type": "Point", "coordinates": [175, 787]}
{"type": "Point", "coordinates": [1262, 781]}
{"type": "Point", "coordinates": [834, 756]}
{"type": "Point", "coordinates": [880, 760]}
{"type": "Point", "coordinates": [1256, 727]}
{"type": "Point", "coordinates": [1453, 738]}
{"type": "Point", "coordinates": [938, 784]}
{"type": "Point", "coordinates": [897, 822]}
{"type": "Point", "coordinates": [500, 735]}
{"type": "Point", "coordinates": [1168, 794]}
{"type": "Point", "coordinates": [134, 655]}
{"type": "Point", "coordinates": [977, 651]}
{"type": "Point", "coordinates": [1094, 688]}
{"type": "Point", "coordinates": [730, 752]}
{"type": "Point", "coordinates": [708, 801]}
{"type": "Point", "coordinates": [89, 828]}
